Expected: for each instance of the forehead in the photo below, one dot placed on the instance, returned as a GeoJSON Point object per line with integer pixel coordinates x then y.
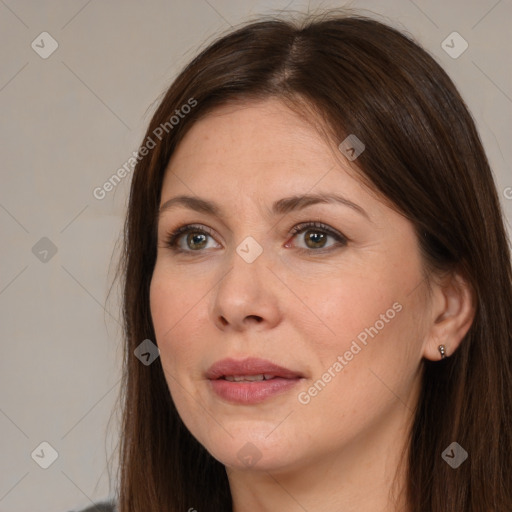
{"type": "Point", "coordinates": [261, 142]}
{"type": "Point", "coordinates": [251, 156]}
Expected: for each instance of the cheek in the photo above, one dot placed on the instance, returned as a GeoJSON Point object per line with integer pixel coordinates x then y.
{"type": "Point", "coordinates": [168, 313]}
{"type": "Point", "coordinates": [374, 356]}
{"type": "Point", "coordinates": [370, 319]}
{"type": "Point", "coordinates": [345, 306]}
{"type": "Point", "coordinates": [162, 306]}
{"type": "Point", "coordinates": [362, 369]}
{"type": "Point", "coordinates": [177, 317]}
{"type": "Point", "coordinates": [171, 302]}
{"type": "Point", "coordinates": [170, 322]}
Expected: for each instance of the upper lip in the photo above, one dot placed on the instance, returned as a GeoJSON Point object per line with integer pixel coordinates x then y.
{"type": "Point", "coordinates": [249, 366]}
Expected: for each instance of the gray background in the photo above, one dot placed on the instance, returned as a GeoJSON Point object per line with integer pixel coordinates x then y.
{"type": "Point", "coordinates": [68, 123]}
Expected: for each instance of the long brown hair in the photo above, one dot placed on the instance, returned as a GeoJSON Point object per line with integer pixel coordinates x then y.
{"type": "Point", "coordinates": [423, 154]}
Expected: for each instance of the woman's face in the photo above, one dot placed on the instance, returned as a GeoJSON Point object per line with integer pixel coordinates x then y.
{"type": "Point", "coordinates": [340, 304]}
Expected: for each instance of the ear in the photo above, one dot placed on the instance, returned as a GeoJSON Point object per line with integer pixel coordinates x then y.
{"type": "Point", "coordinates": [452, 312]}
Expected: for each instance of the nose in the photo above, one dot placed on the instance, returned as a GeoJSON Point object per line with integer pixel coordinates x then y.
{"type": "Point", "coordinates": [247, 296]}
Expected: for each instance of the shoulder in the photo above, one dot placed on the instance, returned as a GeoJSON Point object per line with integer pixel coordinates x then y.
{"type": "Point", "coordinates": [100, 507]}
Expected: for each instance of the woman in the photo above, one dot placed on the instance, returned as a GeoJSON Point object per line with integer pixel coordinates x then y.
{"type": "Point", "coordinates": [315, 245]}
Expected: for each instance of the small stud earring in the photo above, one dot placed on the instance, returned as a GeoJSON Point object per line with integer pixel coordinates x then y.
{"type": "Point", "coordinates": [442, 350]}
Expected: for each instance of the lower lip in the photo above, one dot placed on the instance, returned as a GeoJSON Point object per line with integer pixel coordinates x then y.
{"type": "Point", "coordinates": [251, 392]}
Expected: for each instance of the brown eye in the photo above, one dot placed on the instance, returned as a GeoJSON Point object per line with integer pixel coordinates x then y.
{"type": "Point", "coordinates": [316, 236]}
{"type": "Point", "coordinates": [315, 239]}
{"type": "Point", "coordinates": [196, 240]}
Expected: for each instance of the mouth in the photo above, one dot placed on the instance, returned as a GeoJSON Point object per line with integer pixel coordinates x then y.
{"type": "Point", "coordinates": [248, 378]}
{"type": "Point", "coordinates": [251, 369]}
{"type": "Point", "coordinates": [251, 380]}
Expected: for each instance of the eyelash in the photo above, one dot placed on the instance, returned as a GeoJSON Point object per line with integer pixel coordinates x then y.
{"type": "Point", "coordinates": [172, 239]}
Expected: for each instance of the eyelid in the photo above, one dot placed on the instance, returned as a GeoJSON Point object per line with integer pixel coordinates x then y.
{"type": "Point", "coordinates": [317, 225]}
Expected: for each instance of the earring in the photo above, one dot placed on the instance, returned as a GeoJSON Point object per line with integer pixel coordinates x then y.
{"type": "Point", "coordinates": [442, 350]}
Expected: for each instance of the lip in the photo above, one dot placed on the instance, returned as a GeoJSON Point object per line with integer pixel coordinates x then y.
{"type": "Point", "coordinates": [250, 392]}
{"type": "Point", "coordinates": [249, 366]}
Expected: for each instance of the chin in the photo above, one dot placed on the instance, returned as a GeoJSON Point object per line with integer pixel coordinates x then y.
{"type": "Point", "coordinates": [253, 453]}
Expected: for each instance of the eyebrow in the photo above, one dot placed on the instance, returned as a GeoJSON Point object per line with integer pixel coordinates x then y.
{"type": "Point", "coordinates": [280, 207]}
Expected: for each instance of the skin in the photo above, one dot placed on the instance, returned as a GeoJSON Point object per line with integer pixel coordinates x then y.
{"type": "Point", "coordinates": [298, 308]}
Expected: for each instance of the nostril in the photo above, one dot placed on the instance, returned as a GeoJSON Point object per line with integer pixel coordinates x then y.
{"type": "Point", "coordinates": [251, 318]}
{"type": "Point", "coordinates": [258, 319]}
